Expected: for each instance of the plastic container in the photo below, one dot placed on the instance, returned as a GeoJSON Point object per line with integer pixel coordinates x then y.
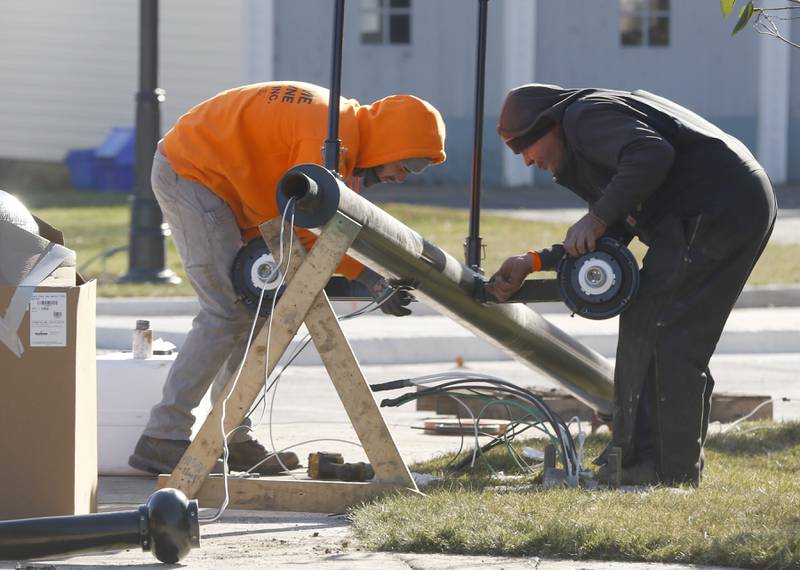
{"type": "Point", "coordinates": [142, 340]}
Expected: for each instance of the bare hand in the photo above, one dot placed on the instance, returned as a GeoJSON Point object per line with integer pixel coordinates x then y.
{"type": "Point", "coordinates": [508, 279]}
{"type": "Point", "coordinates": [582, 236]}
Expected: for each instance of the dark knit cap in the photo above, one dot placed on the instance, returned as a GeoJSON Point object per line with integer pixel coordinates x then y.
{"type": "Point", "coordinates": [518, 144]}
{"type": "Point", "coordinates": [530, 111]}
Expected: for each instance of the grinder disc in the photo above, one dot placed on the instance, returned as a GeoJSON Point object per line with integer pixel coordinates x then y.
{"type": "Point", "coordinates": [601, 283]}
{"type": "Point", "coordinates": [254, 269]}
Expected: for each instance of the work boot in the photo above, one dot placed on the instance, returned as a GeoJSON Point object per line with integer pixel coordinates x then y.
{"type": "Point", "coordinates": [245, 454]}
{"type": "Point", "coordinates": [157, 456]}
{"type": "Point", "coordinates": [638, 474]}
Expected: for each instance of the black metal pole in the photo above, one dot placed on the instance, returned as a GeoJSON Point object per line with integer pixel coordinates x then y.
{"type": "Point", "coordinates": [333, 144]}
{"type": "Point", "coordinates": [146, 249]}
{"type": "Point", "coordinates": [473, 242]}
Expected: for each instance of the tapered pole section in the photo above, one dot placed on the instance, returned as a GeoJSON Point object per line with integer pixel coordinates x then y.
{"type": "Point", "coordinates": [391, 248]}
{"type": "Point", "coordinates": [333, 144]}
{"type": "Point", "coordinates": [146, 249]}
{"type": "Point", "coordinates": [473, 245]}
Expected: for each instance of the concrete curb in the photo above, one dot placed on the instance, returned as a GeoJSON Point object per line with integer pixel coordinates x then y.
{"type": "Point", "coordinates": [427, 349]}
{"type": "Point", "coordinates": [769, 296]}
{"type": "Point", "coordinates": [751, 297]}
{"type": "Point", "coordinates": [381, 339]}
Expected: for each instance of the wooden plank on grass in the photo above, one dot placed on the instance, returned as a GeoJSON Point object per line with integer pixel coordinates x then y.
{"type": "Point", "coordinates": [725, 408]}
{"type": "Point", "coordinates": [288, 494]}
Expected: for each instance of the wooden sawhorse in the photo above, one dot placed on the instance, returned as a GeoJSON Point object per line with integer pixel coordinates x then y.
{"type": "Point", "coordinates": [303, 300]}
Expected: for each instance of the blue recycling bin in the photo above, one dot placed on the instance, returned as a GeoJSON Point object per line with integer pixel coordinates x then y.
{"type": "Point", "coordinates": [113, 161]}
{"type": "Point", "coordinates": [80, 163]}
{"type": "Point", "coordinates": [107, 168]}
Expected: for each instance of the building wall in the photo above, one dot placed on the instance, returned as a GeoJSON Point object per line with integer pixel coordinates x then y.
{"type": "Point", "coordinates": [70, 69]}
{"type": "Point", "coordinates": [438, 66]}
{"type": "Point", "coordinates": [794, 106]}
{"type": "Point", "coordinates": [703, 68]}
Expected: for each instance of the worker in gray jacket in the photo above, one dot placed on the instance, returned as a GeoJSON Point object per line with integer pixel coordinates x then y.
{"type": "Point", "coordinates": [705, 208]}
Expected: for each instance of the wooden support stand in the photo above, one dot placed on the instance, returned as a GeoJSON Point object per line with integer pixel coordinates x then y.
{"type": "Point", "coordinates": [303, 300]}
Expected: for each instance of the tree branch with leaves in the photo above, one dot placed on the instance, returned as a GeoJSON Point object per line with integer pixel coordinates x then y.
{"type": "Point", "coordinates": [764, 20]}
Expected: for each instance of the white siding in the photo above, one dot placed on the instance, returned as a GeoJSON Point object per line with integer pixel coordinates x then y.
{"type": "Point", "coordinates": [70, 69]}
{"type": "Point", "coordinates": [519, 67]}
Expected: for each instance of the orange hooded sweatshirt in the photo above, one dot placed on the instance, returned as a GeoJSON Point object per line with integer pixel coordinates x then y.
{"type": "Point", "coordinates": [240, 142]}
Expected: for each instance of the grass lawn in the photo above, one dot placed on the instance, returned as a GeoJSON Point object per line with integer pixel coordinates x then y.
{"type": "Point", "coordinates": [93, 223]}
{"type": "Point", "coordinates": [746, 512]}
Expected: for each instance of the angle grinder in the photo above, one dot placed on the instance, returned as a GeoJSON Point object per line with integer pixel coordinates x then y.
{"type": "Point", "coordinates": [601, 283]}
{"type": "Point", "coordinates": [596, 285]}
{"type": "Point", "coordinates": [256, 269]}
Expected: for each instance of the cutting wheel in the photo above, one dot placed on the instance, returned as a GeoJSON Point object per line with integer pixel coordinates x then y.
{"type": "Point", "coordinates": [599, 284]}
{"type": "Point", "coordinates": [254, 269]}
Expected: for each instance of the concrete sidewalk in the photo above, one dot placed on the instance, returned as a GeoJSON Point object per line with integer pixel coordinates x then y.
{"type": "Point", "coordinates": [758, 354]}
{"type": "Point", "coordinates": [307, 408]}
{"type": "Point", "coordinates": [269, 540]}
{"type": "Point", "coordinates": [428, 337]}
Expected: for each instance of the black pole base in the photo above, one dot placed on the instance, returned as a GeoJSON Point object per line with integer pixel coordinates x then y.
{"type": "Point", "coordinates": [167, 525]}
{"type": "Point", "coordinates": [473, 252]}
{"type": "Point", "coordinates": [159, 277]}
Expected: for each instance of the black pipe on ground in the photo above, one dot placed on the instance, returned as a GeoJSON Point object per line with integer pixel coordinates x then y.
{"type": "Point", "coordinates": [167, 525]}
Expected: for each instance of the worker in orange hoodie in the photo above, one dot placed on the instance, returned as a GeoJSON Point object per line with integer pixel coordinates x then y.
{"type": "Point", "coordinates": [214, 176]}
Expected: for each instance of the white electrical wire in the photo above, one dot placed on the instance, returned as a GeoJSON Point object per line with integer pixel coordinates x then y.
{"type": "Point", "coordinates": [504, 435]}
{"type": "Point", "coordinates": [278, 378]}
{"type": "Point", "coordinates": [579, 455]}
{"type": "Point", "coordinates": [475, 425]}
{"type": "Point", "coordinates": [269, 329]}
{"type": "Point", "coordinates": [366, 309]}
{"type": "Point", "coordinates": [561, 434]}
{"type": "Point", "coordinates": [225, 451]}
{"type": "Point", "coordinates": [378, 302]}
{"type": "Point", "coordinates": [743, 418]}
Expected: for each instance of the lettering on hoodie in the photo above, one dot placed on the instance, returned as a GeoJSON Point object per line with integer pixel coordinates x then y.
{"type": "Point", "coordinates": [287, 94]}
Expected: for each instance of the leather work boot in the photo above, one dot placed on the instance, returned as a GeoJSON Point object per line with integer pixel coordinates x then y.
{"type": "Point", "coordinates": [639, 475]}
{"type": "Point", "coordinates": [157, 456]}
{"type": "Point", "coordinates": [243, 455]}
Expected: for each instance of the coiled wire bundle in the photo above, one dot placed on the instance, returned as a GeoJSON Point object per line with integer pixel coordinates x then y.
{"type": "Point", "coordinates": [495, 391]}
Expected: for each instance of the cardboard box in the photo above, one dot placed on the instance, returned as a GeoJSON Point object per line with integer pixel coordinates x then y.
{"type": "Point", "coordinates": [48, 394]}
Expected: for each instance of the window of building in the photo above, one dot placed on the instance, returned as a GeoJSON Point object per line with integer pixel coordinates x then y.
{"type": "Point", "coordinates": [644, 22]}
{"type": "Point", "coordinates": [386, 21]}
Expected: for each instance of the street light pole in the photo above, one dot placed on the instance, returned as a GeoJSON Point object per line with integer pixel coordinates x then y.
{"type": "Point", "coordinates": [146, 250]}
{"type": "Point", "coordinates": [473, 247]}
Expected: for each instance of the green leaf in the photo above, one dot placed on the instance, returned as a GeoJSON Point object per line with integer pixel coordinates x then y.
{"type": "Point", "coordinates": [744, 16]}
{"type": "Point", "coordinates": [726, 6]}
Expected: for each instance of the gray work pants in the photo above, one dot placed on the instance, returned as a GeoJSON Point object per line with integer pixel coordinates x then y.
{"type": "Point", "coordinates": [208, 238]}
